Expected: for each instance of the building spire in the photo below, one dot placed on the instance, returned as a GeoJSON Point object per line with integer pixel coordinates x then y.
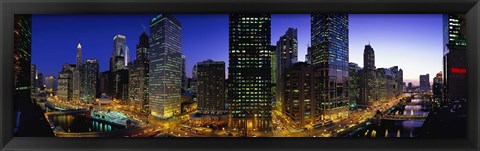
{"type": "Point", "coordinates": [79, 46]}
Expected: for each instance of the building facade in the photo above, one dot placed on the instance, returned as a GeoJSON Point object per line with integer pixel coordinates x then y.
{"type": "Point", "coordinates": [138, 82]}
{"type": "Point", "coordinates": [119, 58]}
{"type": "Point", "coordinates": [249, 72]}
{"type": "Point", "coordinates": [286, 56]}
{"type": "Point", "coordinates": [354, 72]}
{"type": "Point", "coordinates": [454, 54]}
{"type": "Point", "coordinates": [165, 59]}
{"type": "Point", "coordinates": [65, 83]}
{"type": "Point", "coordinates": [90, 71]}
{"type": "Point", "coordinates": [329, 55]}
{"type": "Point", "coordinates": [369, 79]}
{"type": "Point", "coordinates": [425, 82]}
{"type": "Point", "coordinates": [22, 53]}
{"type": "Point", "coordinates": [211, 87]}
{"type": "Point", "coordinates": [300, 94]}
{"type": "Point", "coordinates": [77, 81]}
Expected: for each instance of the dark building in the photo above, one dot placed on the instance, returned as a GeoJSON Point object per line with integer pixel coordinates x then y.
{"type": "Point", "coordinates": [308, 56]}
{"type": "Point", "coordinates": [33, 78]}
{"type": "Point", "coordinates": [286, 56]}
{"type": "Point", "coordinates": [89, 78]}
{"type": "Point", "coordinates": [120, 78]}
{"type": "Point", "coordinates": [410, 86]}
{"type": "Point", "coordinates": [22, 53]}
{"type": "Point", "coordinates": [300, 93]}
{"type": "Point", "coordinates": [249, 72]}
{"type": "Point", "coordinates": [211, 87]}
{"type": "Point", "coordinates": [40, 81]}
{"type": "Point", "coordinates": [330, 55]}
{"type": "Point", "coordinates": [105, 83]}
{"type": "Point", "coordinates": [354, 72]}
{"type": "Point", "coordinates": [454, 54]}
{"type": "Point", "coordinates": [425, 82]}
{"type": "Point", "coordinates": [398, 80]}
{"type": "Point", "coordinates": [184, 79]}
{"type": "Point", "coordinates": [139, 76]}
{"type": "Point", "coordinates": [273, 63]}
{"type": "Point", "coordinates": [437, 87]}
{"type": "Point", "coordinates": [165, 84]}
{"type": "Point", "coordinates": [369, 78]}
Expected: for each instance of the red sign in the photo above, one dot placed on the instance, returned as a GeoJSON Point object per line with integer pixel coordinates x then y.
{"type": "Point", "coordinates": [459, 70]}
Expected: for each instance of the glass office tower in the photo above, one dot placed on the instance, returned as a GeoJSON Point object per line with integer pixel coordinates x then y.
{"type": "Point", "coordinates": [329, 55]}
{"type": "Point", "coordinates": [249, 73]}
{"type": "Point", "coordinates": [164, 69]}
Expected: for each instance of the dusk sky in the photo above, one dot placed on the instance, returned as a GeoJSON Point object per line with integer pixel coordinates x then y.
{"type": "Point", "coordinates": [413, 42]}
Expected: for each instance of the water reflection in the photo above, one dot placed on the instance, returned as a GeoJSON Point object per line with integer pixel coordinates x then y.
{"type": "Point", "coordinates": [80, 124]}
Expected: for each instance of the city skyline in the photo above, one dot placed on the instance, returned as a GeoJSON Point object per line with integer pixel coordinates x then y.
{"type": "Point", "coordinates": [363, 29]}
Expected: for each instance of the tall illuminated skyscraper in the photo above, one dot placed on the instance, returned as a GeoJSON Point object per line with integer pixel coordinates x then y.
{"type": "Point", "coordinates": [286, 56]}
{"type": "Point", "coordinates": [22, 53]}
{"type": "Point", "coordinates": [138, 82]}
{"type": "Point", "coordinates": [454, 53]}
{"type": "Point", "coordinates": [90, 71]}
{"type": "Point", "coordinates": [368, 79]}
{"type": "Point", "coordinates": [65, 82]}
{"type": "Point", "coordinates": [120, 49]}
{"type": "Point", "coordinates": [77, 75]}
{"type": "Point", "coordinates": [164, 69]}
{"type": "Point", "coordinates": [249, 102]}
{"type": "Point", "coordinates": [329, 55]}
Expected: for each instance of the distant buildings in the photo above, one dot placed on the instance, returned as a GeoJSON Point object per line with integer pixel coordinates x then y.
{"type": "Point", "coordinates": [89, 78]}
{"type": "Point", "coordinates": [249, 72]}
{"type": "Point", "coordinates": [425, 82]}
{"type": "Point", "coordinates": [165, 59]}
{"type": "Point", "coordinates": [183, 68]}
{"type": "Point", "coordinates": [211, 87]}
{"type": "Point", "coordinates": [454, 53]}
{"type": "Point", "coordinates": [286, 56]}
{"type": "Point", "coordinates": [33, 78]}
{"type": "Point", "coordinates": [329, 54]}
{"type": "Point", "coordinates": [437, 87]}
{"type": "Point", "coordinates": [50, 83]}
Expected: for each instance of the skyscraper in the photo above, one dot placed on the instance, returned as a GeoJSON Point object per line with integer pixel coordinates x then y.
{"type": "Point", "coordinates": [211, 86]}
{"type": "Point", "coordinates": [369, 79]}
{"type": "Point", "coordinates": [249, 72]}
{"type": "Point", "coordinates": [65, 82]}
{"type": "Point", "coordinates": [50, 83]}
{"type": "Point", "coordinates": [286, 56]}
{"type": "Point", "coordinates": [354, 83]}
{"type": "Point", "coordinates": [119, 58]}
{"type": "Point", "coordinates": [138, 82]}
{"type": "Point", "coordinates": [184, 74]}
{"type": "Point", "coordinates": [77, 75]}
{"type": "Point", "coordinates": [90, 71]}
{"type": "Point", "coordinates": [425, 82]}
{"type": "Point", "coordinates": [165, 59]}
{"type": "Point", "coordinates": [329, 55]}
{"type": "Point", "coordinates": [437, 87]}
{"type": "Point", "coordinates": [33, 77]}
{"type": "Point", "coordinates": [22, 53]}
{"type": "Point", "coordinates": [300, 93]}
{"type": "Point", "coordinates": [454, 53]}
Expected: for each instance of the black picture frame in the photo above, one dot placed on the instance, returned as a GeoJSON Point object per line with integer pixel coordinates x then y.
{"type": "Point", "coordinates": [10, 7]}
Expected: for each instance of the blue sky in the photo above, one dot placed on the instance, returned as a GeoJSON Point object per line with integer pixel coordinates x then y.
{"type": "Point", "coordinates": [411, 41]}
